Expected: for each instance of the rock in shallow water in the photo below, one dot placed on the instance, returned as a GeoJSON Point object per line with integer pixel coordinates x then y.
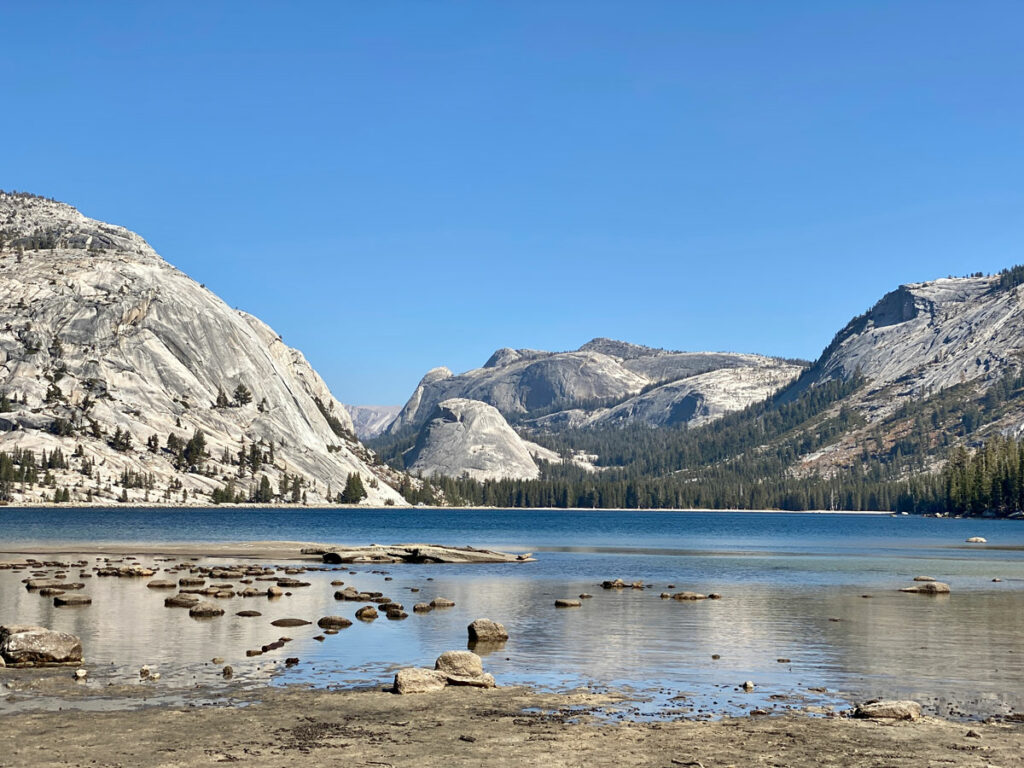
{"type": "Point", "coordinates": [334, 622]}
{"type": "Point", "coordinates": [69, 600]}
{"type": "Point", "coordinates": [487, 631]}
{"type": "Point", "coordinates": [204, 609]}
{"type": "Point", "coordinates": [929, 588]}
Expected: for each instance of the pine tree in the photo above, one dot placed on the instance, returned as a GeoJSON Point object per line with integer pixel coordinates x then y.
{"type": "Point", "coordinates": [242, 395]}
{"type": "Point", "coordinates": [354, 491]}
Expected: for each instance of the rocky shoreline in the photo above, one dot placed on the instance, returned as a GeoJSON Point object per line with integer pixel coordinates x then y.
{"type": "Point", "coordinates": [453, 713]}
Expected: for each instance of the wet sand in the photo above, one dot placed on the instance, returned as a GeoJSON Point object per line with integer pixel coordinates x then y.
{"type": "Point", "coordinates": [470, 727]}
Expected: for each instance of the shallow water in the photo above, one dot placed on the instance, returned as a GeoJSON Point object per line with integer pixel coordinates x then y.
{"type": "Point", "coordinates": [785, 578]}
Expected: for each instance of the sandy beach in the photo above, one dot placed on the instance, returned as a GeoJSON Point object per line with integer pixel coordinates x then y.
{"type": "Point", "coordinates": [469, 727]}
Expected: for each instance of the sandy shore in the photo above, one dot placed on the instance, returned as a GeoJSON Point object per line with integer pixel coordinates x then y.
{"type": "Point", "coordinates": [470, 727]}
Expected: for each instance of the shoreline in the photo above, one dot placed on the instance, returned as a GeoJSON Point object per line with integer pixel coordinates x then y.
{"type": "Point", "coordinates": [363, 507]}
{"type": "Point", "coordinates": [298, 726]}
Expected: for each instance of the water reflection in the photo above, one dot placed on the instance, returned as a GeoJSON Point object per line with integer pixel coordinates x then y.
{"type": "Point", "coordinates": [963, 652]}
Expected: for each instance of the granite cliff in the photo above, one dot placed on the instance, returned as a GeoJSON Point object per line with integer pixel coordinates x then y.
{"type": "Point", "coordinates": [118, 361]}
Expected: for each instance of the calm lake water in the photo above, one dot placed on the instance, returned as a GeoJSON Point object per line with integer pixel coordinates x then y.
{"type": "Point", "coordinates": [793, 588]}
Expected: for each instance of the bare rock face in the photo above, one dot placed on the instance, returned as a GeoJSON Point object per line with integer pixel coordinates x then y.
{"type": "Point", "coordinates": [23, 645]}
{"type": "Point", "coordinates": [106, 346]}
{"type": "Point", "coordinates": [701, 398]}
{"type": "Point", "coordinates": [470, 437]}
{"type": "Point", "coordinates": [928, 336]}
{"type": "Point", "coordinates": [524, 382]}
{"type": "Point", "coordinates": [370, 420]}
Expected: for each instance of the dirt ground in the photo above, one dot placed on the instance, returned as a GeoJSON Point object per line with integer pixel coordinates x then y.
{"type": "Point", "coordinates": [471, 727]}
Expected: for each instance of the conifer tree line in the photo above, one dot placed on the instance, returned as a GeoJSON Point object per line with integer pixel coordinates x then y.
{"type": "Point", "coordinates": [746, 460]}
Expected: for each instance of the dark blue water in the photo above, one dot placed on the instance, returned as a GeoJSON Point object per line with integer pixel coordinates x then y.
{"type": "Point", "coordinates": [793, 587]}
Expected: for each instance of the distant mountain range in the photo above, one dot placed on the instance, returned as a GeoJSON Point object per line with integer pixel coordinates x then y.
{"type": "Point", "coordinates": [932, 368]}
{"type": "Point", "coordinates": [122, 379]}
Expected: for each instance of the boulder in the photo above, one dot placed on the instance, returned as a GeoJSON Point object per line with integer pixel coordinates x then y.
{"type": "Point", "coordinates": [928, 588]}
{"type": "Point", "coordinates": [924, 578]}
{"type": "Point", "coordinates": [460, 664]}
{"type": "Point", "coordinates": [204, 609]}
{"type": "Point", "coordinates": [419, 680]}
{"type": "Point", "coordinates": [487, 631]}
{"type": "Point", "coordinates": [463, 668]}
{"type": "Point", "coordinates": [290, 622]}
{"type": "Point", "coordinates": [888, 710]}
{"type": "Point", "coordinates": [689, 596]}
{"type": "Point", "coordinates": [248, 614]}
{"type": "Point", "coordinates": [334, 622]}
{"type": "Point", "coordinates": [567, 603]}
{"type": "Point", "coordinates": [977, 540]}
{"type": "Point", "coordinates": [422, 608]}
{"type": "Point", "coordinates": [161, 584]}
{"type": "Point", "coordinates": [366, 613]}
{"type": "Point", "coordinates": [27, 645]}
{"type": "Point", "coordinates": [181, 601]}
{"type": "Point", "coordinates": [69, 600]}
{"type": "Point", "coordinates": [396, 614]}
{"type": "Point", "coordinates": [442, 602]}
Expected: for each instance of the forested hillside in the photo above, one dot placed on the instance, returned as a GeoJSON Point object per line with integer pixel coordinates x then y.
{"type": "Point", "coordinates": [926, 421]}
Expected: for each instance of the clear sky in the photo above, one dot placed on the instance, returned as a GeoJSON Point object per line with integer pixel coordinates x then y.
{"type": "Point", "coordinates": [399, 185]}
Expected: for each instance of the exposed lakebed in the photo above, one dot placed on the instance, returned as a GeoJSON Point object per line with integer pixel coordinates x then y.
{"type": "Point", "coordinates": [793, 588]}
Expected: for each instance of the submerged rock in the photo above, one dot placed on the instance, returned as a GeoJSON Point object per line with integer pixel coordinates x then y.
{"type": "Point", "coordinates": [70, 600]}
{"type": "Point", "coordinates": [929, 588]}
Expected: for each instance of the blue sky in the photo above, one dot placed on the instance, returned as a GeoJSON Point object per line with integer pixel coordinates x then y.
{"type": "Point", "coordinates": [399, 185]}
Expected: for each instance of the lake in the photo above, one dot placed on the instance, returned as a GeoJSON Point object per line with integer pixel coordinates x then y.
{"type": "Point", "coordinates": [794, 587]}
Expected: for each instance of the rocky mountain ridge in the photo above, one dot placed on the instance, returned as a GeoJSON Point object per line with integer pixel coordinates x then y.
{"type": "Point", "coordinates": [368, 421]}
{"type": "Point", "coordinates": [146, 385]}
{"type": "Point", "coordinates": [554, 390]}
